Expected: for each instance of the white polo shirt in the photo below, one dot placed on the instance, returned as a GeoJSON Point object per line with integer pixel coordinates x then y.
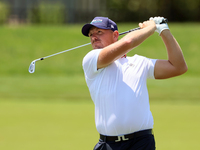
{"type": "Point", "coordinates": [119, 92]}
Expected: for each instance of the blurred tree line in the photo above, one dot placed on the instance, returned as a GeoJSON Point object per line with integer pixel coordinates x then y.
{"type": "Point", "coordinates": [174, 10]}
{"type": "Point", "coordinates": [73, 11]}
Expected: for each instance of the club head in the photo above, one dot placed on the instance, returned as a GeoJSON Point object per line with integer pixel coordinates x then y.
{"type": "Point", "coordinates": [32, 67]}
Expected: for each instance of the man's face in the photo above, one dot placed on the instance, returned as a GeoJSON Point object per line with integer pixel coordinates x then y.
{"type": "Point", "coordinates": [101, 38]}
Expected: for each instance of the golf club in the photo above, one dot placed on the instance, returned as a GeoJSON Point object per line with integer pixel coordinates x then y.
{"type": "Point", "coordinates": [32, 65]}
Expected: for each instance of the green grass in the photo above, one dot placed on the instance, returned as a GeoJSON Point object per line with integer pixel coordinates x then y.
{"type": "Point", "coordinates": [46, 88]}
{"type": "Point", "coordinates": [60, 125]}
{"type": "Point", "coordinates": [52, 109]}
{"type": "Point", "coordinates": [22, 44]}
{"type": "Point", "coordinates": [176, 126]}
{"type": "Point", "coordinates": [46, 125]}
{"type": "Point", "coordinates": [56, 112]}
{"type": "Point", "coordinates": [73, 88]}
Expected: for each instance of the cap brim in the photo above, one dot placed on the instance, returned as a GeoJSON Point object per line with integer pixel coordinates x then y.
{"type": "Point", "coordinates": [86, 28]}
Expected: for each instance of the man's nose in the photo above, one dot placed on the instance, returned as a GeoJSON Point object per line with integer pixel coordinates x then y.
{"type": "Point", "coordinates": [94, 37]}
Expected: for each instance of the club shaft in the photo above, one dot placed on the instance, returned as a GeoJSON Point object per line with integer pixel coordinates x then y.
{"type": "Point", "coordinates": [164, 21]}
{"type": "Point", "coordinates": [32, 65]}
{"type": "Point", "coordinates": [130, 31]}
{"type": "Point", "coordinates": [82, 45]}
{"type": "Point", "coordinates": [65, 51]}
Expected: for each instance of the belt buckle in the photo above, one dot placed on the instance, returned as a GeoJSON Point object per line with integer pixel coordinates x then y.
{"type": "Point", "coordinates": [121, 138]}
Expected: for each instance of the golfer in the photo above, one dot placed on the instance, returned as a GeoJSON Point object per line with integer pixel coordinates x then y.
{"type": "Point", "coordinates": [117, 83]}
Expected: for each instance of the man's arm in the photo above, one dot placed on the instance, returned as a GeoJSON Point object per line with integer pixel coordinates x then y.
{"type": "Point", "coordinates": [175, 65]}
{"type": "Point", "coordinates": [116, 50]}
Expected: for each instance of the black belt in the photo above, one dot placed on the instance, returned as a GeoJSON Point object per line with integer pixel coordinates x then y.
{"type": "Point", "coordinates": [125, 137]}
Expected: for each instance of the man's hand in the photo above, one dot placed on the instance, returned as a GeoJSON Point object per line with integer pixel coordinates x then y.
{"type": "Point", "coordinates": [149, 23]}
{"type": "Point", "coordinates": [159, 27]}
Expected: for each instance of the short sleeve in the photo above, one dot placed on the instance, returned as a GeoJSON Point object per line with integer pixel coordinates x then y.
{"type": "Point", "coordinates": [90, 64]}
{"type": "Point", "coordinates": [151, 65]}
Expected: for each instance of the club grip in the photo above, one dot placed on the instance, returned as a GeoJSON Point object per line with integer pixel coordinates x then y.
{"type": "Point", "coordinates": [165, 20]}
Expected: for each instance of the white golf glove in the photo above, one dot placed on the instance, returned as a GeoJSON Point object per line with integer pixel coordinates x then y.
{"type": "Point", "coordinates": [159, 27]}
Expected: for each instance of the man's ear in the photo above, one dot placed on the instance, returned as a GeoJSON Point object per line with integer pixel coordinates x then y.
{"type": "Point", "coordinates": [116, 35]}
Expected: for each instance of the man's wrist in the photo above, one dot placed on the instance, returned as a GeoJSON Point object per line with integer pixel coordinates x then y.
{"type": "Point", "coordinates": [165, 32]}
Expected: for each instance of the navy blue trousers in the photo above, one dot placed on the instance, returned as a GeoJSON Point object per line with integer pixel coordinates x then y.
{"type": "Point", "coordinates": [145, 142]}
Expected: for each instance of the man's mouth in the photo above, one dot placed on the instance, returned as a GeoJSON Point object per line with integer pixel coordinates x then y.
{"type": "Point", "coordinates": [97, 44]}
{"type": "Point", "coordinates": [95, 41]}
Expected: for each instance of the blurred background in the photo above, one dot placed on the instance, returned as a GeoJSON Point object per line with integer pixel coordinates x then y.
{"type": "Point", "coordinates": [76, 11]}
{"type": "Point", "coordinates": [52, 109]}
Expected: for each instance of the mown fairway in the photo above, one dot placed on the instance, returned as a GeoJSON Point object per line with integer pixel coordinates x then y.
{"type": "Point", "coordinates": [51, 109]}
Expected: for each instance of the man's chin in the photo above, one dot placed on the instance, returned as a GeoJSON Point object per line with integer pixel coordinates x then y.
{"type": "Point", "coordinates": [97, 47]}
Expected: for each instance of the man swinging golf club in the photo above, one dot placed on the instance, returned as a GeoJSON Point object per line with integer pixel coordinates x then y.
{"type": "Point", "coordinates": [117, 83]}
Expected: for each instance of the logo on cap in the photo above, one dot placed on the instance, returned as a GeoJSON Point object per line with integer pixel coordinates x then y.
{"type": "Point", "coordinates": [96, 21]}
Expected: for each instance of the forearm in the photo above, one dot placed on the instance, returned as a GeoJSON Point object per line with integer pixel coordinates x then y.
{"type": "Point", "coordinates": [132, 40]}
{"type": "Point", "coordinates": [175, 55]}
{"type": "Point", "coordinates": [135, 38]}
{"type": "Point", "coordinates": [116, 50]}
